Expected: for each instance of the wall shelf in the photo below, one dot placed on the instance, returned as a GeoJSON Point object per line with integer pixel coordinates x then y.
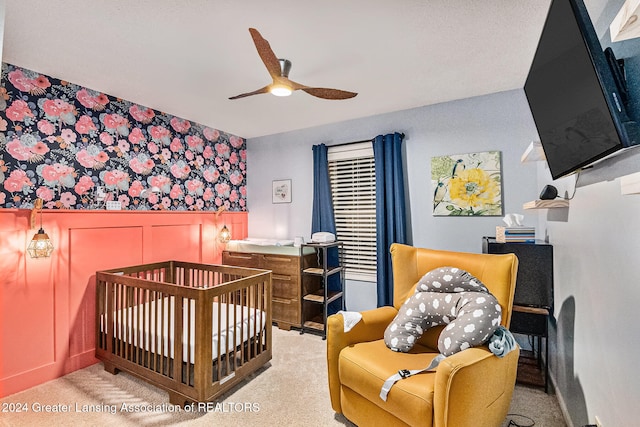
{"type": "Point", "coordinates": [533, 153]}
{"type": "Point", "coordinates": [546, 204]}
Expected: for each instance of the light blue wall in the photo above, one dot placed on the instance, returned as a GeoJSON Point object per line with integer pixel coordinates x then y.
{"type": "Point", "coordinates": [500, 121]}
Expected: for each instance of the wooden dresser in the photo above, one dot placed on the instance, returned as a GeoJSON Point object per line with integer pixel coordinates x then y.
{"type": "Point", "coordinates": [286, 282]}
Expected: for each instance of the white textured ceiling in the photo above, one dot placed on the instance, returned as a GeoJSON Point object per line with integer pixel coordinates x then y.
{"type": "Point", "coordinates": [187, 58]}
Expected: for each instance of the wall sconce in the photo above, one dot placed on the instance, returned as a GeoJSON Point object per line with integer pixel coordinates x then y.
{"type": "Point", "coordinates": [40, 245]}
{"type": "Point", "coordinates": [225, 235]}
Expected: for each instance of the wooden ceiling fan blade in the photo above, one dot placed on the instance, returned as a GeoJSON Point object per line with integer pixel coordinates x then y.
{"type": "Point", "coordinates": [255, 92]}
{"type": "Point", "coordinates": [326, 93]}
{"type": "Point", "coordinates": [265, 52]}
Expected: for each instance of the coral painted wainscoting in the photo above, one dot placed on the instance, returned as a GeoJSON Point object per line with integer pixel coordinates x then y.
{"type": "Point", "coordinates": [47, 305]}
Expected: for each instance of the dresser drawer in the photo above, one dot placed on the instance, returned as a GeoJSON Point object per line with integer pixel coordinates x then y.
{"type": "Point", "coordinates": [241, 259]}
{"type": "Point", "coordinates": [286, 311]}
{"type": "Point", "coordinates": [281, 264]}
{"type": "Point", "coordinates": [285, 286]}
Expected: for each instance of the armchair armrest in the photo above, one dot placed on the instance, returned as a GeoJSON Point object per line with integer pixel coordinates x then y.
{"type": "Point", "coordinates": [474, 387]}
{"type": "Point", "coordinates": [370, 328]}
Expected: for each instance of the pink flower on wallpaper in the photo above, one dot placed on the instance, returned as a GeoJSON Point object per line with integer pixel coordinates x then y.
{"type": "Point", "coordinates": [233, 196]}
{"type": "Point", "coordinates": [141, 114]}
{"type": "Point", "coordinates": [116, 123]}
{"type": "Point", "coordinates": [67, 199]}
{"type": "Point", "coordinates": [236, 142]}
{"type": "Point", "coordinates": [17, 150]}
{"type": "Point", "coordinates": [68, 136]}
{"type": "Point", "coordinates": [85, 159]}
{"type": "Point", "coordinates": [211, 174]}
{"type": "Point", "coordinates": [195, 143]}
{"type": "Point", "coordinates": [46, 127]}
{"type": "Point", "coordinates": [218, 161]}
{"type": "Point", "coordinates": [179, 125]}
{"type": "Point", "coordinates": [136, 136]}
{"type": "Point", "coordinates": [92, 157]}
{"type": "Point", "coordinates": [233, 158]}
{"type": "Point", "coordinates": [176, 145]}
{"type": "Point", "coordinates": [242, 166]}
{"type": "Point", "coordinates": [223, 150]}
{"type": "Point", "coordinates": [141, 164]}
{"type": "Point", "coordinates": [50, 173]}
{"type": "Point", "coordinates": [124, 200]}
{"type": "Point", "coordinates": [236, 178]}
{"type": "Point", "coordinates": [199, 204]}
{"type": "Point", "coordinates": [211, 134]}
{"type": "Point", "coordinates": [189, 155]}
{"type": "Point", "coordinates": [218, 201]}
{"type": "Point", "coordinates": [176, 192]}
{"type": "Point", "coordinates": [57, 174]}
{"type": "Point", "coordinates": [160, 134]}
{"type": "Point", "coordinates": [195, 186]}
{"type": "Point", "coordinates": [243, 155]}
{"type": "Point", "coordinates": [106, 138]}
{"type": "Point", "coordinates": [92, 99]}
{"type": "Point", "coordinates": [45, 193]}
{"type": "Point", "coordinates": [85, 125]}
{"type": "Point", "coordinates": [56, 107]}
{"type": "Point", "coordinates": [208, 194]}
{"type": "Point", "coordinates": [160, 181]}
{"type": "Point", "coordinates": [208, 153]}
{"type": "Point", "coordinates": [115, 179]}
{"type": "Point", "coordinates": [242, 202]}
{"type": "Point", "coordinates": [166, 202]}
{"type": "Point", "coordinates": [123, 145]}
{"type": "Point", "coordinates": [153, 198]}
{"type": "Point", "coordinates": [135, 189]}
{"type": "Point", "coordinates": [188, 200]}
{"type": "Point", "coordinates": [3, 124]}
{"type": "Point", "coordinates": [18, 111]}
{"type": "Point", "coordinates": [243, 191]}
{"type": "Point", "coordinates": [35, 85]}
{"type": "Point", "coordinates": [40, 149]}
{"type": "Point", "coordinates": [17, 180]}
{"type": "Point", "coordinates": [84, 185]}
{"type": "Point", "coordinates": [222, 189]}
{"type": "Point", "coordinates": [152, 147]}
{"type": "Point", "coordinates": [180, 169]}
{"type": "Point", "coordinates": [3, 198]}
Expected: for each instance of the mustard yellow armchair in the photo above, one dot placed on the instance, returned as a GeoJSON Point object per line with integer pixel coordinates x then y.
{"type": "Point", "coordinates": [470, 388]}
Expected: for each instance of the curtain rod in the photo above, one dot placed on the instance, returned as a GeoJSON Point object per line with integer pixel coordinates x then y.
{"type": "Point", "coordinates": [356, 142]}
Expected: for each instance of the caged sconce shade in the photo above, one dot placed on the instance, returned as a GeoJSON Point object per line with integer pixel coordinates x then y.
{"type": "Point", "coordinates": [40, 245]}
{"type": "Point", "coordinates": [225, 235]}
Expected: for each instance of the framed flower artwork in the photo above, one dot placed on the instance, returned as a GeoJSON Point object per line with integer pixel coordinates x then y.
{"type": "Point", "coordinates": [281, 191]}
{"type": "Point", "coordinates": [467, 184]}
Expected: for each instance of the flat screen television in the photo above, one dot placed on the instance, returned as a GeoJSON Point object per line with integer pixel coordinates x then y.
{"type": "Point", "coordinates": [576, 93]}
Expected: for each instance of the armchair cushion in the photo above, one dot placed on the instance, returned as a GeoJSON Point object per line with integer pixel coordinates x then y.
{"type": "Point", "coordinates": [365, 377]}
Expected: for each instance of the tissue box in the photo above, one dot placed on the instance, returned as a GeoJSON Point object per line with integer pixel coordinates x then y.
{"type": "Point", "coordinates": [515, 234]}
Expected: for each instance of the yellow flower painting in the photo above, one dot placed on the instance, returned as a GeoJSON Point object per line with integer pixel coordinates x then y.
{"type": "Point", "coordinates": [467, 184]}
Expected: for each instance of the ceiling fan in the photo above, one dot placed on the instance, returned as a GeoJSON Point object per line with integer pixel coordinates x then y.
{"type": "Point", "coordinates": [279, 71]}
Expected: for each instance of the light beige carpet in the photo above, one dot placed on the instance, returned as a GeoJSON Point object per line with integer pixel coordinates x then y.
{"type": "Point", "coordinates": [290, 390]}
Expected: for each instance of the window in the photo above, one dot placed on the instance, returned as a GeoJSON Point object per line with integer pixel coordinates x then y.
{"type": "Point", "coordinates": [353, 189]}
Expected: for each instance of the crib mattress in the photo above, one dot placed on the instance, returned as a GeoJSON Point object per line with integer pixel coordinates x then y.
{"type": "Point", "coordinates": [237, 325]}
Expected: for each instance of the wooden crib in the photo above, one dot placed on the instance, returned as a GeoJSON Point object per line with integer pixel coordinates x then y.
{"type": "Point", "coordinates": [222, 312]}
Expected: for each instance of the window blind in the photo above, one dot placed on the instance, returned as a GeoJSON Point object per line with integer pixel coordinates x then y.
{"type": "Point", "coordinates": [352, 178]}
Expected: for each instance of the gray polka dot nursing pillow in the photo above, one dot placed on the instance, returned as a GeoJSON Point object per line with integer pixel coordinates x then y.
{"type": "Point", "coordinates": [446, 296]}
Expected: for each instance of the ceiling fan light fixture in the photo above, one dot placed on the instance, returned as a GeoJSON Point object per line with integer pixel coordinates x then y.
{"type": "Point", "coordinates": [280, 90]}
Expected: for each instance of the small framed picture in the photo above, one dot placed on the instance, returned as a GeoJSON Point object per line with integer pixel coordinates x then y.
{"type": "Point", "coordinates": [281, 191]}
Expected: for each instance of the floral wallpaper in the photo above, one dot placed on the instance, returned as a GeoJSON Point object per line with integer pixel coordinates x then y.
{"type": "Point", "coordinates": [67, 145]}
